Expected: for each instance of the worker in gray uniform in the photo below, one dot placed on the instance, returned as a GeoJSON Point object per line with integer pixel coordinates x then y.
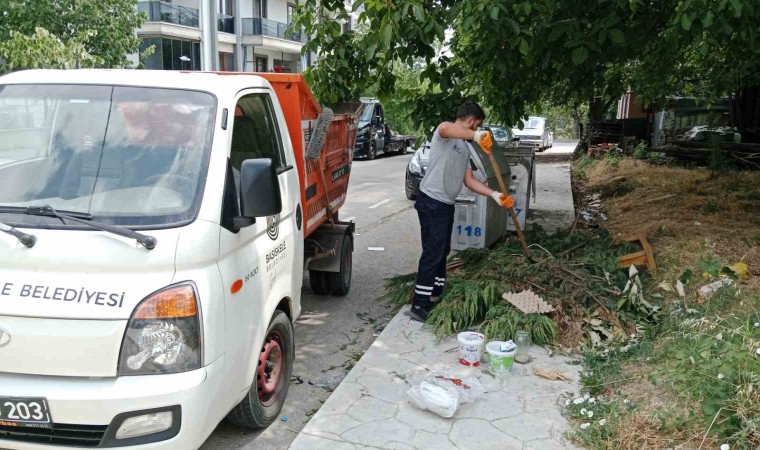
{"type": "Point", "coordinates": [450, 166]}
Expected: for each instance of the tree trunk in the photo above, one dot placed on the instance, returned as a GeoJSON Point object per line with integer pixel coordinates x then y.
{"type": "Point", "coordinates": [745, 112]}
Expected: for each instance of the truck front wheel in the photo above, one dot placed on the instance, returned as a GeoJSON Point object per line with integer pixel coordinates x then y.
{"type": "Point", "coordinates": [341, 282]}
{"type": "Point", "coordinates": [264, 400]}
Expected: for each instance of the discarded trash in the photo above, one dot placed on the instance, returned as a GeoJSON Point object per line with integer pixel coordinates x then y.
{"type": "Point", "coordinates": [528, 302]}
{"type": "Point", "coordinates": [284, 419]}
{"type": "Point", "coordinates": [665, 286]}
{"type": "Point", "coordinates": [739, 269]}
{"type": "Point", "coordinates": [501, 355]}
{"type": "Point", "coordinates": [470, 347]}
{"type": "Point", "coordinates": [376, 249]}
{"type": "Point", "coordinates": [442, 393]}
{"type": "Point", "coordinates": [553, 375]}
{"type": "Point", "coordinates": [705, 292]}
{"type": "Point", "coordinates": [523, 342]}
{"type": "Point", "coordinates": [680, 289]}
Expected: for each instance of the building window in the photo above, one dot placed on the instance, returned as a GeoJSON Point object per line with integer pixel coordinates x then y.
{"type": "Point", "coordinates": [172, 54]}
{"type": "Point", "coordinates": [291, 12]}
{"type": "Point", "coordinates": [259, 8]}
{"type": "Point", "coordinates": [260, 63]}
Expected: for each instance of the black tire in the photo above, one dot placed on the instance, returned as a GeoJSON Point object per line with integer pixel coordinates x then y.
{"type": "Point", "coordinates": [410, 195]}
{"type": "Point", "coordinates": [372, 153]}
{"type": "Point", "coordinates": [340, 283]}
{"type": "Point", "coordinates": [320, 282]}
{"type": "Point", "coordinates": [251, 412]}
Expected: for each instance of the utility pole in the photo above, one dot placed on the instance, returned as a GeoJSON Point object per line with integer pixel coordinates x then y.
{"type": "Point", "coordinates": [209, 53]}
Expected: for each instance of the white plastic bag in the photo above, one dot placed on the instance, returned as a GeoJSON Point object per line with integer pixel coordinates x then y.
{"type": "Point", "coordinates": [442, 392]}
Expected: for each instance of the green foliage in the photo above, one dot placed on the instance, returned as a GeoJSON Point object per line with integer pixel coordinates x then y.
{"type": "Point", "coordinates": [68, 33]}
{"type": "Point", "coordinates": [514, 54]}
{"type": "Point", "coordinates": [503, 321]}
{"type": "Point", "coordinates": [43, 50]}
{"type": "Point", "coordinates": [641, 151]}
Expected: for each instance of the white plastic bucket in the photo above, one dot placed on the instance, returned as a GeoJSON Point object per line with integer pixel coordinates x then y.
{"type": "Point", "coordinates": [498, 361]}
{"type": "Point", "coordinates": [470, 347]}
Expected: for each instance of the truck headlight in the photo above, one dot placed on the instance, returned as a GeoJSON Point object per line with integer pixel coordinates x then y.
{"type": "Point", "coordinates": [414, 164]}
{"type": "Point", "coordinates": [163, 334]}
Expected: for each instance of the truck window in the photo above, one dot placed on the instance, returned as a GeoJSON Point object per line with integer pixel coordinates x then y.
{"type": "Point", "coordinates": [255, 133]}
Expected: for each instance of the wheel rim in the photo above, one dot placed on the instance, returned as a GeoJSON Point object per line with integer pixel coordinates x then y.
{"type": "Point", "coordinates": [372, 151]}
{"type": "Point", "coordinates": [271, 368]}
{"type": "Point", "coordinates": [346, 266]}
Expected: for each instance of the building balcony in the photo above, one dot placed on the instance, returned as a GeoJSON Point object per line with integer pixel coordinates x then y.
{"type": "Point", "coordinates": [158, 11]}
{"type": "Point", "coordinates": [225, 23]}
{"type": "Point", "coordinates": [271, 28]}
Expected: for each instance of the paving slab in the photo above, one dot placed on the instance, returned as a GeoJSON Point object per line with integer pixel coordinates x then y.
{"type": "Point", "coordinates": [371, 408]}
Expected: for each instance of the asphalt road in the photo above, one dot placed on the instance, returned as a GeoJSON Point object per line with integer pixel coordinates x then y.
{"type": "Point", "coordinates": [333, 332]}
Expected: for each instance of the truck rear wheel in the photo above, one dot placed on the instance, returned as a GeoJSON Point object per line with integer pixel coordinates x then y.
{"type": "Point", "coordinates": [264, 400]}
{"type": "Point", "coordinates": [340, 282]}
{"type": "Point", "coordinates": [320, 282]}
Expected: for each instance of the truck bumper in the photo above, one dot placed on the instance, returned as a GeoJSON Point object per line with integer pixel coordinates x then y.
{"type": "Point", "coordinates": [361, 150]}
{"type": "Point", "coordinates": [84, 411]}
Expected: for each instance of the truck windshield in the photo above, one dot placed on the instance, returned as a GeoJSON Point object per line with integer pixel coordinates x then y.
{"type": "Point", "coordinates": [127, 156]}
{"type": "Point", "coordinates": [367, 112]}
{"type": "Point", "coordinates": [533, 123]}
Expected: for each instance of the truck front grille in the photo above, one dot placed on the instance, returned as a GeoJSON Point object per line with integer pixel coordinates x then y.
{"type": "Point", "coordinates": [60, 434]}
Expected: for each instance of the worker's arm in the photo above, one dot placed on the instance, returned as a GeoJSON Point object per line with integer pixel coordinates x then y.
{"type": "Point", "coordinates": [478, 187]}
{"type": "Point", "coordinates": [454, 131]}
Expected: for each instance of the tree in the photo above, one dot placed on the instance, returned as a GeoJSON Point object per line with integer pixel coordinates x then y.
{"type": "Point", "coordinates": [68, 33]}
{"type": "Point", "coordinates": [511, 54]}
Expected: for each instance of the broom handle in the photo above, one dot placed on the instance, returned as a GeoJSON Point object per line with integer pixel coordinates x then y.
{"type": "Point", "coordinates": [504, 191]}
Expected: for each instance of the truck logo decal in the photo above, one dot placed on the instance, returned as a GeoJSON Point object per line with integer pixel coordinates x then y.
{"type": "Point", "coordinates": [343, 171]}
{"type": "Point", "coordinates": [5, 337]}
{"type": "Point", "coordinates": [273, 227]}
{"type": "Point", "coordinates": [69, 295]}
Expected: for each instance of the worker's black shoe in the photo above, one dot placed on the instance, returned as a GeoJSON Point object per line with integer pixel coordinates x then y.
{"type": "Point", "coordinates": [419, 314]}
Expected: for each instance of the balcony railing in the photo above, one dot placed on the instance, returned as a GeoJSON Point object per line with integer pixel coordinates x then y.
{"type": "Point", "coordinates": [225, 23]}
{"type": "Point", "coordinates": [266, 27]}
{"type": "Point", "coordinates": [158, 11]}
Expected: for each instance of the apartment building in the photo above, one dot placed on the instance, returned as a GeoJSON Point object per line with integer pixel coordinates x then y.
{"type": "Point", "coordinates": [251, 35]}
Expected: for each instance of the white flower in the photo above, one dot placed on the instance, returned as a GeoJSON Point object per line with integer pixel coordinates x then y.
{"type": "Point", "coordinates": [625, 401]}
{"type": "Point", "coordinates": [590, 414]}
{"type": "Point", "coordinates": [757, 324]}
{"type": "Point", "coordinates": [583, 411]}
{"type": "Point", "coordinates": [758, 352]}
{"type": "Point", "coordinates": [721, 376]}
{"type": "Point", "coordinates": [725, 447]}
{"type": "Point", "coordinates": [567, 402]}
{"type": "Point", "coordinates": [592, 400]}
{"type": "Point", "coordinates": [603, 422]}
{"type": "Point", "coordinates": [586, 397]}
{"type": "Point", "coordinates": [719, 336]}
{"type": "Point", "coordinates": [633, 335]}
{"type": "Point", "coordinates": [585, 425]}
{"type": "Point", "coordinates": [578, 401]}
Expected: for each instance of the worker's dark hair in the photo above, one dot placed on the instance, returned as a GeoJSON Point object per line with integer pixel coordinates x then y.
{"type": "Point", "coordinates": [470, 109]}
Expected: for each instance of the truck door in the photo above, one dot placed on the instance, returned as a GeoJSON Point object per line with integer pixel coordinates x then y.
{"type": "Point", "coordinates": [259, 264]}
{"type": "Point", "coordinates": [380, 138]}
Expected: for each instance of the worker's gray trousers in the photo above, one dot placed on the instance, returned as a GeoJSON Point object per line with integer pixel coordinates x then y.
{"type": "Point", "coordinates": [436, 223]}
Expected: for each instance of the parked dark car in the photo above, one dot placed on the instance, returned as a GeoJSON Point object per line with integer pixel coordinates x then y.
{"type": "Point", "coordinates": [416, 169]}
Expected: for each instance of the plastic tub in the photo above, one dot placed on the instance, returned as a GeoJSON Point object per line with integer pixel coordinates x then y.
{"type": "Point", "coordinates": [498, 361]}
{"type": "Point", "coordinates": [470, 347]}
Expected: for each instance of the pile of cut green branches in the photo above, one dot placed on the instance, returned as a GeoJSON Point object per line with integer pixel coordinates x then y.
{"type": "Point", "coordinates": [576, 272]}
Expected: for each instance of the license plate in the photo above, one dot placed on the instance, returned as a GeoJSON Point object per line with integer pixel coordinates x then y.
{"type": "Point", "coordinates": [24, 412]}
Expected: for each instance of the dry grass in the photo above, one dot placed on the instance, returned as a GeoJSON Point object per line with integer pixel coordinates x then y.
{"type": "Point", "coordinates": [684, 213]}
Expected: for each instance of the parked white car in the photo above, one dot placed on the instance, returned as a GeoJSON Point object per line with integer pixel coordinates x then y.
{"type": "Point", "coordinates": [535, 133]}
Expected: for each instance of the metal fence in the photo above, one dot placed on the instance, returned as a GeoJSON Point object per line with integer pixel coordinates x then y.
{"type": "Point", "coordinates": [271, 28]}
{"type": "Point", "coordinates": [158, 11]}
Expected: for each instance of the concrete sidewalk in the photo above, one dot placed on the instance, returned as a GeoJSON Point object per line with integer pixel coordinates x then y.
{"type": "Point", "coordinates": [371, 409]}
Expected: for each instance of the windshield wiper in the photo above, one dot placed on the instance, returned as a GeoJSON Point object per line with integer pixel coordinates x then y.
{"type": "Point", "coordinates": [27, 239]}
{"type": "Point", "coordinates": [148, 242]}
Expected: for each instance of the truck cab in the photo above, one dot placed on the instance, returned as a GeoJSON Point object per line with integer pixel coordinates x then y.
{"type": "Point", "coordinates": [152, 252]}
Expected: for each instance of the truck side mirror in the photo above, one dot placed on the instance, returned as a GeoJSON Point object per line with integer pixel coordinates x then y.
{"type": "Point", "coordinates": [259, 189]}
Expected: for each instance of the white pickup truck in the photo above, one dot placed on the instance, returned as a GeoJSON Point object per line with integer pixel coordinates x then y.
{"type": "Point", "coordinates": [154, 231]}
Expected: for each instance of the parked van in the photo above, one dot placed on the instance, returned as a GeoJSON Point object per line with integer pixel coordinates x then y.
{"type": "Point", "coordinates": [155, 231]}
{"type": "Point", "coordinates": [535, 133]}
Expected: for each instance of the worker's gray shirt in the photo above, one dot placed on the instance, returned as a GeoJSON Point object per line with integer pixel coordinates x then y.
{"type": "Point", "coordinates": [445, 174]}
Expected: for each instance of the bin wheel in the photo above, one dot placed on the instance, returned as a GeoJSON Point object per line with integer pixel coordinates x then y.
{"type": "Point", "coordinates": [263, 402]}
{"type": "Point", "coordinates": [340, 282]}
{"type": "Point", "coordinates": [320, 282]}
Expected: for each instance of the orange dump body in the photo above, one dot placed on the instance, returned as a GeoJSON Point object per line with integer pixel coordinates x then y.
{"type": "Point", "coordinates": [301, 111]}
